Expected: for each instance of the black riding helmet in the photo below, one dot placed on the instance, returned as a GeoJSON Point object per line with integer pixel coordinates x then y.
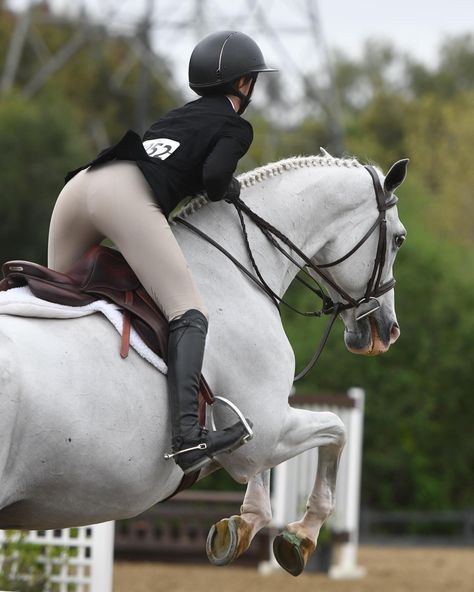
{"type": "Point", "coordinates": [220, 59]}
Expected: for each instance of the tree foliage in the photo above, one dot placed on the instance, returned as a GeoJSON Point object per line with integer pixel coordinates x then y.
{"type": "Point", "coordinates": [38, 144]}
{"type": "Point", "coordinates": [65, 121]}
{"type": "Point", "coordinates": [21, 564]}
{"type": "Point", "coordinates": [395, 107]}
{"type": "Point", "coordinates": [418, 408]}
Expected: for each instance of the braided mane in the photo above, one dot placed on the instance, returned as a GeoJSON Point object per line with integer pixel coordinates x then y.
{"type": "Point", "coordinates": [272, 169]}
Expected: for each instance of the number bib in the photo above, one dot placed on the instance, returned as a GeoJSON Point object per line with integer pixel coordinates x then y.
{"type": "Point", "coordinates": [160, 147]}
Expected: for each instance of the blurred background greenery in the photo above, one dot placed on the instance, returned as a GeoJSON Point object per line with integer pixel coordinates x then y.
{"type": "Point", "coordinates": [418, 446]}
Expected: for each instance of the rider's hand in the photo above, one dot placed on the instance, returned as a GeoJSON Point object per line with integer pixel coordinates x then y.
{"type": "Point", "coordinates": [232, 191]}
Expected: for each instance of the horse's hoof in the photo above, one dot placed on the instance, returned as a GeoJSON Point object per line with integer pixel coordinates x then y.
{"type": "Point", "coordinates": [292, 552]}
{"type": "Point", "coordinates": [227, 540]}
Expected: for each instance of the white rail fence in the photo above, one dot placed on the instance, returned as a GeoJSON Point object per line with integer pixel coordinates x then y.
{"type": "Point", "coordinates": [76, 559]}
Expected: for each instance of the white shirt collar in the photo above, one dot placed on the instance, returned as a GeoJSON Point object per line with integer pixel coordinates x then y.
{"type": "Point", "coordinates": [230, 101]}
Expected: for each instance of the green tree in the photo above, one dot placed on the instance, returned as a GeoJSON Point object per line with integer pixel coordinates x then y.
{"type": "Point", "coordinates": [418, 407]}
{"type": "Point", "coordinates": [453, 75]}
{"type": "Point", "coordinates": [56, 126]}
{"type": "Point", "coordinates": [358, 82]}
{"type": "Point", "coordinates": [108, 79]}
{"type": "Point", "coordinates": [39, 143]}
{"type": "Point", "coordinates": [379, 132]}
{"type": "Point", "coordinates": [21, 564]}
{"type": "Point", "coordinates": [439, 138]}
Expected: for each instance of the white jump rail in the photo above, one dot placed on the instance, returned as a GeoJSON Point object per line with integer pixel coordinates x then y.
{"type": "Point", "coordinates": [294, 479]}
{"type": "Point", "coordinates": [84, 558]}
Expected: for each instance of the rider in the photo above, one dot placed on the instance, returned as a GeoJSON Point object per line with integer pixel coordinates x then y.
{"type": "Point", "coordinates": [129, 190]}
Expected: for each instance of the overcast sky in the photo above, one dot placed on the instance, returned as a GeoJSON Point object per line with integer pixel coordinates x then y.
{"type": "Point", "coordinates": [282, 28]}
{"type": "Point", "coordinates": [415, 25]}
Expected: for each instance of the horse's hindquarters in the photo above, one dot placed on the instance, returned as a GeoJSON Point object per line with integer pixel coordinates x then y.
{"type": "Point", "coordinates": [10, 388]}
{"type": "Point", "coordinates": [82, 431]}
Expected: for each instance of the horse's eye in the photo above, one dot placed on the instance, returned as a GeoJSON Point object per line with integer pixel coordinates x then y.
{"type": "Point", "coordinates": [399, 239]}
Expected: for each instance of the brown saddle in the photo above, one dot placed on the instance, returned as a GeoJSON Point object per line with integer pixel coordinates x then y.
{"type": "Point", "coordinates": [102, 273]}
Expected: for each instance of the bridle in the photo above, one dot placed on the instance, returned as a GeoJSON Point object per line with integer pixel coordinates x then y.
{"type": "Point", "coordinates": [364, 306]}
{"type": "Point", "coordinates": [374, 287]}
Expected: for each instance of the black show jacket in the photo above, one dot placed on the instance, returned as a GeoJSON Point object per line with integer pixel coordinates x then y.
{"type": "Point", "coordinates": [192, 148]}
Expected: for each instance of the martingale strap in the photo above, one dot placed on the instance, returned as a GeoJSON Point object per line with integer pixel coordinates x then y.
{"type": "Point", "coordinates": [258, 281]}
{"type": "Point", "coordinates": [269, 230]}
{"type": "Point", "coordinates": [333, 309]}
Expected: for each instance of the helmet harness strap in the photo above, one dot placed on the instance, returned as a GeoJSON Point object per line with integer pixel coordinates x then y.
{"type": "Point", "coordinates": [245, 100]}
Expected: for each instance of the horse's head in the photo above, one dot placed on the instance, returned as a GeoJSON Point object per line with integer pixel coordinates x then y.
{"type": "Point", "coordinates": [359, 261]}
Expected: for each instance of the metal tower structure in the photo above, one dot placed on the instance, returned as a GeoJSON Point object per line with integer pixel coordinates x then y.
{"type": "Point", "coordinates": [290, 34]}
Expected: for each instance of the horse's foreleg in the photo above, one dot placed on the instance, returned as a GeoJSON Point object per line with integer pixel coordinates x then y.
{"type": "Point", "coordinates": [230, 537]}
{"type": "Point", "coordinates": [294, 545]}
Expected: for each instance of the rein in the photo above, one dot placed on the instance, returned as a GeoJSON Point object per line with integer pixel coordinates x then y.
{"type": "Point", "coordinates": [374, 286]}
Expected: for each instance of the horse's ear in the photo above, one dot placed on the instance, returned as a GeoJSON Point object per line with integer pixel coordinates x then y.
{"type": "Point", "coordinates": [396, 175]}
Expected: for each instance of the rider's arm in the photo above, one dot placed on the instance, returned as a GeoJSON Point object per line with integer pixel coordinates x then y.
{"type": "Point", "coordinates": [221, 163]}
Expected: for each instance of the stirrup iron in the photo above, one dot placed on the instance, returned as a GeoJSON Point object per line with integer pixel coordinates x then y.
{"type": "Point", "coordinates": [237, 412]}
{"type": "Point", "coordinates": [201, 446]}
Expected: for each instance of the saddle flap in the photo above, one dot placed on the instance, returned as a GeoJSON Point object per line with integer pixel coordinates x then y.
{"type": "Point", "coordinates": [103, 267]}
{"type": "Point", "coordinates": [67, 295]}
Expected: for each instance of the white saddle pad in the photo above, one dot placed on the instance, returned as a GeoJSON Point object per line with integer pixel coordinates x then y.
{"type": "Point", "coordinates": [21, 302]}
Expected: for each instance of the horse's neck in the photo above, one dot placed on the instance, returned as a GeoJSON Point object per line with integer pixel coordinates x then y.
{"type": "Point", "coordinates": [308, 204]}
{"type": "Point", "coordinates": [305, 205]}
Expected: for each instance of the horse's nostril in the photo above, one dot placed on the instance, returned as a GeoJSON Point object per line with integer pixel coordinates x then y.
{"type": "Point", "coordinates": [394, 333]}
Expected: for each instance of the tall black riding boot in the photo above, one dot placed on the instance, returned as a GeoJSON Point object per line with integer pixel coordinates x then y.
{"type": "Point", "coordinates": [187, 338]}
